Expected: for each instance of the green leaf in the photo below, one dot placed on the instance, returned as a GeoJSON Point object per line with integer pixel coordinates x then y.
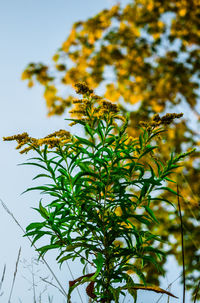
{"type": "Point", "coordinates": [77, 121]}
{"type": "Point", "coordinates": [36, 225]}
{"type": "Point", "coordinates": [39, 235]}
{"type": "Point", "coordinates": [43, 188]}
{"type": "Point", "coordinates": [46, 248]}
{"type": "Point", "coordinates": [85, 141]}
{"type": "Point", "coordinates": [152, 171]}
{"type": "Point", "coordinates": [155, 133]}
{"type": "Point", "coordinates": [45, 152]}
{"type": "Point", "coordinates": [150, 259]}
{"type": "Point", "coordinates": [141, 218]}
{"type": "Point", "coordinates": [99, 261]}
{"type": "Point", "coordinates": [147, 150]}
{"type": "Point", "coordinates": [64, 172]}
{"type": "Point", "coordinates": [141, 169]}
{"type": "Point", "coordinates": [84, 165]}
{"type": "Point", "coordinates": [141, 141]}
{"type": "Point", "coordinates": [144, 189]}
{"type": "Point", "coordinates": [34, 164]}
{"type": "Point", "coordinates": [130, 287]}
{"type": "Point", "coordinates": [154, 250]}
{"type": "Point", "coordinates": [116, 293]}
{"type": "Point", "coordinates": [100, 132]}
{"type": "Point", "coordinates": [81, 174]}
{"type": "Point", "coordinates": [163, 199]}
{"type": "Point", "coordinates": [109, 141]}
{"type": "Point", "coordinates": [65, 258]}
{"type": "Point", "coordinates": [44, 213]}
{"type": "Point", "coordinates": [168, 189]}
{"type": "Point", "coordinates": [88, 130]}
{"type": "Point", "coordinates": [151, 213]}
{"type": "Point", "coordinates": [40, 176]}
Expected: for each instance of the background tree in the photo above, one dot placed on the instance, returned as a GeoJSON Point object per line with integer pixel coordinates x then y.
{"type": "Point", "coordinates": [146, 56]}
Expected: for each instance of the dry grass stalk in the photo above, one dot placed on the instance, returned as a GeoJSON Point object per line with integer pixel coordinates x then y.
{"type": "Point", "coordinates": [15, 273]}
{"type": "Point", "coordinates": [45, 262]}
{"type": "Point", "coordinates": [61, 289]}
{"type": "Point", "coordinates": [2, 278]}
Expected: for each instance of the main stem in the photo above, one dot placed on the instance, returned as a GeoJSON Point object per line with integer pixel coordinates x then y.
{"type": "Point", "coordinates": [106, 275]}
{"type": "Point", "coordinates": [107, 269]}
{"type": "Point", "coordinates": [106, 254]}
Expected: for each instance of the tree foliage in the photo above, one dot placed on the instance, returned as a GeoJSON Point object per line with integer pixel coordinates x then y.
{"type": "Point", "coordinates": [146, 56]}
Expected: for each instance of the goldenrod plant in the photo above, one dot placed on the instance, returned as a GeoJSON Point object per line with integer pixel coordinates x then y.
{"type": "Point", "coordinates": [101, 190]}
{"type": "Point", "coordinates": [144, 55]}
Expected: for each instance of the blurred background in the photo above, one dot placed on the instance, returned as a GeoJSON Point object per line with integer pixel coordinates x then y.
{"type": "Point", "coordinates": [32, 31]}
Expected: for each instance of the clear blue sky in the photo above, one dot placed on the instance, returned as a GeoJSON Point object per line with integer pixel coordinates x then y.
{"type": "Point", "coordinates": [32, 30]}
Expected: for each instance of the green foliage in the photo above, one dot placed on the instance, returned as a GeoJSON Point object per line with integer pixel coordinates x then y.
{"type": "Point", "coordinates": [101, 194]}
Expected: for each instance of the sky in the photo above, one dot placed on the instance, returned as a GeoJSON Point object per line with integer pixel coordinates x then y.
{"type": "Point", "coordinates": [31, 31]}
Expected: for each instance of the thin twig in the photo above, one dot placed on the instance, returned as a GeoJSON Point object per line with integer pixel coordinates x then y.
{"type": "Point", "coordinates": [15, 273]}
{"type": "Point", "coordinates": [198, 286]}
{"type": "Point", "coordinates": [48, 282]}
{"type": "Point", "coordinates": [74, 279]}
{"type": "Point", "coordinates": [3, 275]}
{"type": "Point", "coordinates": [50, 299]}
{"type": "Point", "coordinates": [33, 283]}
{"type": "Point", "coordinates": [49, 268]}
{"type": "Point", "coordinates": [2, 278]}
{"type": "Point", "coordinates": [169, 287]}
{"type": "Point", "coordinates": [182, 244]}
{"type": "Point", "coordinates": [169, 296]}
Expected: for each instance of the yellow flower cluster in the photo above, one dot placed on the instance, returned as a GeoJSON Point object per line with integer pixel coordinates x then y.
{"type": "Point", "coordinates": [19, 138]}
{"type": "Point", "coordinates": [93, 106]}
{"type": "Point", "coordinates": [22, 139]}
{"type": "Point", "coordinates": [60, 133]}
{"type": "Point", "coordinates": [106, 108]}
{"type": "Point", "coordinates": [167, 119]}
{"type": "Point", "coordinates": [60, 137]}
{"type": "Point", "coordinates": [55, 139]}
{"type": "Point", "coordinates": [83, 89]}
{"type": "Point", "coordinates": [80, 107]}
{"type": "Point", "coordinates": [157, 121]}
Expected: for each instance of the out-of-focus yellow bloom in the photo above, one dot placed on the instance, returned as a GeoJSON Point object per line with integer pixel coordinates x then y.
{"type": "Point", "coordinates": [118, 243]}
{"type": "Point", "coordinates": [118, 211]}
